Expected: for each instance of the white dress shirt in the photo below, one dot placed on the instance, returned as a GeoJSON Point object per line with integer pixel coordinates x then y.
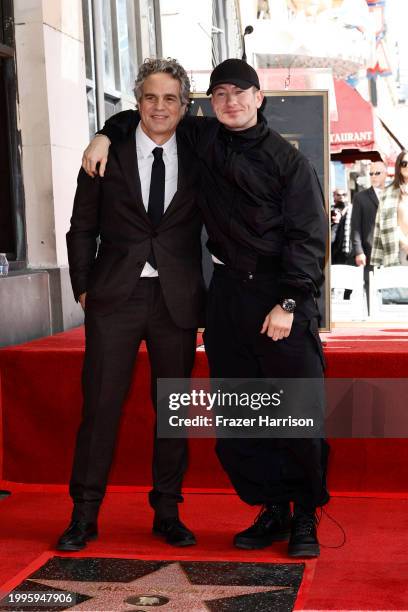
{"type": "Point", "coordinates": [378, 192]}
{"type": "Point", "coordinates": [144, 148]}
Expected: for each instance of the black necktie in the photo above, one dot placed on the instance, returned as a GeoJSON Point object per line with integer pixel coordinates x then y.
{"type": "Point", "coordinates": [155, 208]}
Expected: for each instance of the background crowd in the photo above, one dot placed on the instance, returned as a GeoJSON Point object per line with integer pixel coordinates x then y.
{"type": "Point", "coordinates": [372, 230]}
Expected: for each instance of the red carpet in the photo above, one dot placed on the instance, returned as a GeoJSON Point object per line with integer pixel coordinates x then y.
{"type": "Point", "coordinates": [41, 407]}
{"type": "Point", "coordinates": [41, 402]}
{"type": "Point", "coordinates": [370, 572]}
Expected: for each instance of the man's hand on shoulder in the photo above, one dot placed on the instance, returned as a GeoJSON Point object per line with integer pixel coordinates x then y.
{"type": "Point", "coordinates": [278, 323]}
{"type": "Point", "coordinates": [96, 152]}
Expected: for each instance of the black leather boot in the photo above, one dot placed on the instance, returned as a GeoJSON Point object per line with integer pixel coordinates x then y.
{"type": "Point", "coordinates": [271, 525]}
{"type": "Point", "coordinates": [303, 540]}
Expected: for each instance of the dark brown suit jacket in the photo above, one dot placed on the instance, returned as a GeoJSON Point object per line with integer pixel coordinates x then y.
{"type": "Point", "coordinates": [112, 208]}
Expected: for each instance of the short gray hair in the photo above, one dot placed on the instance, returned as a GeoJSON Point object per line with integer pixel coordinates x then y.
{"type": "Point", "coordinates": [168, 66]}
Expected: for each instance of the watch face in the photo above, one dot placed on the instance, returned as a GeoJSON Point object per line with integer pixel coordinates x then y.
{"type": "Point", "coordinates": [288, 305]}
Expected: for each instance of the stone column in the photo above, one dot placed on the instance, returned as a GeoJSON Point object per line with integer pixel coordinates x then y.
{"type": "Point", "coordinates": [53, 116]}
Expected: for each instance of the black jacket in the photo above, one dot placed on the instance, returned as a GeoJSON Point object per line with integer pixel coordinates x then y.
{"type": "Point", "coordinates": [112, 208]}
{"type": "Point", "coordinates": [338, 255]}
{"type": "Point", "coordinates": [365, 206]}
{"type": "Point", "coordinates": [260, 198]}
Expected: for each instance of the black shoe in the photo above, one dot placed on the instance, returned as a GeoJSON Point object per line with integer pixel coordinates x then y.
{"type": "Point", "coordinates": [271, 525]}
{"type": "Point", "coordinates": [77, 535]}
{"type": "Point", "coordinates": [303, 540]}
{"type": "Point", "coordinates": [174, 532]}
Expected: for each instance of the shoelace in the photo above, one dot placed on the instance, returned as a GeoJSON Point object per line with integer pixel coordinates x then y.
{"type": "Point", "coordinates": [305, 526]}
{"type": "Point", "coordinates": [323, 511]}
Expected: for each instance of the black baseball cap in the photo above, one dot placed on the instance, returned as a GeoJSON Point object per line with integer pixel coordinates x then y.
{"type": "Point", "coordinates": [234, 72]}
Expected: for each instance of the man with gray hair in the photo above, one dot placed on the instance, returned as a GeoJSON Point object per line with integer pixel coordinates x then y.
{"type": "Point", "coordinates": [144, 282]}
{"type": "Point", "coordinates": [365, 205]}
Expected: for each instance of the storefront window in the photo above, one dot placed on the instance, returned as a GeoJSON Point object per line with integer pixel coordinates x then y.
{"type": "Point", "coordinates": [90, 96]}
{"type": "Point", "coordinates": [12, 224]}
{"type": "Point", "coordinates": [108, 52]}
{"type": "Point", "coordinates": [118, 35]}
{"type": "Point", "coordinates": [147, 22]}
{"type": "Point", "coordinates": [6, 216]}
{"type": "Point", "coordinates": [87, 41]}
{"type": "Point", "coordinates": [127, 44]}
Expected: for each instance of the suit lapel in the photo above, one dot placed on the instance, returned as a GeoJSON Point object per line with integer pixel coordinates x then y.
{"type": "Point", "coordinates": [373, 196]}
{"type": "Point", "coordinates": [127, 158]}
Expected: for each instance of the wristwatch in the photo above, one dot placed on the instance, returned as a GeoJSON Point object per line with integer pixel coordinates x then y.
{"type": "Point", "coordinates": [288, 305]}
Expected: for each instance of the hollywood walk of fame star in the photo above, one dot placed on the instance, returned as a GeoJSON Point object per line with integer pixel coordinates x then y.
{"type": "Point", "coordinates": [168, 583]}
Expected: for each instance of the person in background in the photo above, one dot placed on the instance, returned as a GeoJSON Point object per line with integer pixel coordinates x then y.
{"type": "Point", "coordinates": [341, 245]}
{"type": "Point", "coordinates": [365, 205]}
{"type": "Point", "coordinates": [390, 241]}
{"type": "Point", "coordinates": [335, 218]}
{"type": "Point", "coordinates": [340, 198]}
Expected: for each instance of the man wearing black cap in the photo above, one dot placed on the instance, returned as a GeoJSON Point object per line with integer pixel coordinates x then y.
{"type": "Point", "coordinates": [263, 209]}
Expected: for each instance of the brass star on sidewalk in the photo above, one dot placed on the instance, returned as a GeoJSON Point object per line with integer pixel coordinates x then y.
{"type": "Point", "coordinates": [168, 588]}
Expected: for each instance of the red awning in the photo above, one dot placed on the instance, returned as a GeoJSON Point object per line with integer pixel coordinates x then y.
{"type": "Point", "coordinates": [357, 133]}
{"type": "Point", "coordinates": [354, 128]}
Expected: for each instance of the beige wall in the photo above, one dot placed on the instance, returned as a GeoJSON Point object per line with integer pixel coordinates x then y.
{"type": "Point", "coordinates": [53, 119]}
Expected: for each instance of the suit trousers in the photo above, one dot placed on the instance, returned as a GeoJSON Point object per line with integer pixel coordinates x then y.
{"type": "Point", "coordinates": [112, 343]}
{"type": "Point", "coordinates": [265, 470]}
